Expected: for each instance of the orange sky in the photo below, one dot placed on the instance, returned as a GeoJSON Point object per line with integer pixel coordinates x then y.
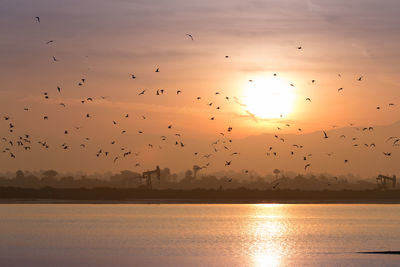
{"type": "Point", "coordinates": [105, 42]}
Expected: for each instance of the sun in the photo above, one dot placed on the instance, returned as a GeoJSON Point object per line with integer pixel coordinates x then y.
{"type": "Point", "coordinates": [269, 98]}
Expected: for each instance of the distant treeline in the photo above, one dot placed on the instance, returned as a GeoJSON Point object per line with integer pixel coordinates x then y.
{"type": "Point", "coordinates": [188, 181]}
{"type": "Point", "coordinates": [242, 195]}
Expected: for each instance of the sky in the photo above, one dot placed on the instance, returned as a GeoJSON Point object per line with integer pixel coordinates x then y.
{"type": "Point", "coordinates": [105, 42]}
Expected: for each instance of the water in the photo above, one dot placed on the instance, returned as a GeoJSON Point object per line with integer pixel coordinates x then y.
{"type": "Point", "coordinates": [198, 235]}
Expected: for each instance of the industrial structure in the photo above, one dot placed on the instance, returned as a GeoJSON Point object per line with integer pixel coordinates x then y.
{"type": "Point", "coordinates": [195, 170]}
{"type": "Point", "coordinates": [147, 176]}
{"type": "Point", "coordinates": [384, 182]}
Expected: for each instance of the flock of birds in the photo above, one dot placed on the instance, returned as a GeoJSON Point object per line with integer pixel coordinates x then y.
{"type": "Point", "coordinates": [25, 141]}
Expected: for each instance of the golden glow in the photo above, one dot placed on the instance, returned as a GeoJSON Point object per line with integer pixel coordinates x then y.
{"type": "Point", "coordinates": [268, 230]}
{"type": "Point", "coordinates": [269, 97]}
{"type": "Point", "coordinates": [263, 259]}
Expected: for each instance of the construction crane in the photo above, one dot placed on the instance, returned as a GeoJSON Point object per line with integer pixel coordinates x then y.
{"type": "Point", "coordinates": [147, 176]}
{"type": "Point", "coordinates": [383, 181]}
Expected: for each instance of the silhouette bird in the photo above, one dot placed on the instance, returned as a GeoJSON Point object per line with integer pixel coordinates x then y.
{"type": "Point", "coordinates": [308, 99]}
{"type": "Point", "coordinates": [307, 166]}
{"type": "Point", "coordinates": [37, 19]}
{"type": "Point", "coordinates": [190, 36]}
{"type": "Point", "coordinates": [325, 135]}
{"type": "Point", "coordinates": [390, 138]}
{"type": "Point", "coordinates": [275, 185]}
{"type": "Point", "coordinates": [55, 59]}
{"type": "Point", "coordinates": [158, 70]}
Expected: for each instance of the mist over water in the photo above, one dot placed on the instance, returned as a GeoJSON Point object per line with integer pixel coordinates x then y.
{"type": "Point", "coordinates": [198, 235]}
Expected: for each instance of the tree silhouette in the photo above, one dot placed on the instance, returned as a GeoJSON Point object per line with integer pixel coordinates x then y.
{"type": "Point", "coordinates": [50, 173]}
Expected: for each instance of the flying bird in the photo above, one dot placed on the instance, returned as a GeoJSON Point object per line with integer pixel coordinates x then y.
{"type": "Point", "coordinates": [190, 36]}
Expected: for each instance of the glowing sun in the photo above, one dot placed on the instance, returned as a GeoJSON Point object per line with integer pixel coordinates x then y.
{"type": "Point", "coordinates": [269, 97]}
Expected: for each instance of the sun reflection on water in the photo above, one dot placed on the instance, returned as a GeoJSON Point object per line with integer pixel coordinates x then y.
{"type": "Point", "coordinates": [265, 259]}
{"type": "Point", "coordinates": [267, 230]}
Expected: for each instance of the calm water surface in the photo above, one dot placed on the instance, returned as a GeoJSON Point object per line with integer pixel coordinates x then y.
{"type": "Point", "coordinates": [198, 235]}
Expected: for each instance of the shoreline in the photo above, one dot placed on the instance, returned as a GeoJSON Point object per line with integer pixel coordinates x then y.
{"type": "Point", "coordinates": [195, 201]}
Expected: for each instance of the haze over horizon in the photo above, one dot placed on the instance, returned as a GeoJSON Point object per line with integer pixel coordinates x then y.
{"type": "Point", "coordinates": [318, 47]}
